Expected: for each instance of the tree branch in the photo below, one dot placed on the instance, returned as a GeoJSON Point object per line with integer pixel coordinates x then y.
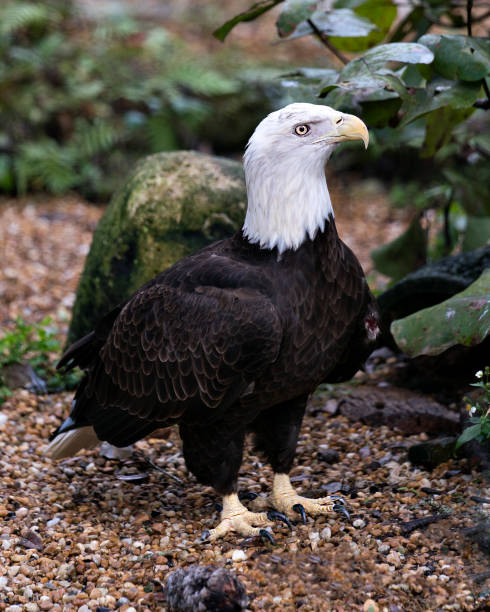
{"type": "Point", "coordinates": [324, 39]}
{"type": "Point", "coordinates": [469, 6]}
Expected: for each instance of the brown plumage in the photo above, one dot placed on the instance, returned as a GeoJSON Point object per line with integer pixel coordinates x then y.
{"type": "Point", "coordinates": [231, 339]}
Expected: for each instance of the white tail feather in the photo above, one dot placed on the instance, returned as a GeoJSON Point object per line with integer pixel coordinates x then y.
{"type": "Point", "coordinates": [69, 443]}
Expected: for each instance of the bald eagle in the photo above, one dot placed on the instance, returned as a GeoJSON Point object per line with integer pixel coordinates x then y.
{"type": "Point", "coordinates": [234, 338]}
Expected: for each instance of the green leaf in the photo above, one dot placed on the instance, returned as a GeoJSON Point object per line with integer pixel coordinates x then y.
{"type": "Point", "coordinates": [459, 95]}
{"type": "Point", "coordinates": [366, 83]}
{"type": "Point", "coordinates": [404, 254]}
{"type": "Point", "coordinates": [439, 128]}
{"type": "Point", "coordinates": [459, 57]}
{"type": "Point", "coordinates": [381, 13]}
{"type": "Point", "coordinates": [367, 79]}
{"type": "Point", "coordinates": [378, 114]}
{"type": "Point", "coordinates": [349, 94]}
{"type": "Point", "coordinates": [462, 319]}
{"type": "Point", "coordinates": [293, 13]}
{"type": "Point", "coordinates": [477, 233]}
{"type": "Point", "coordinates": [470, 433]}
{"type": "Point", "coordinates": [340, 22]}
{"type": "Point", "coordinates": [252, 13]}
{"type": "Point", "coordinates": [315, 74]}
{"type": "Point", "coordinates": [374, 59]}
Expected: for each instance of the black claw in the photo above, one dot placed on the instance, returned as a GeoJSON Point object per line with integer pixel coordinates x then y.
{"type": "Point", "coordinates": [218, 506]}
{"type": "Point", "coordinates": [205, 535]}
{"type": "Point", "coordinates": [338, 499]}
{"type": "Point", "coordinates": [247, 495]}
{"type": "Point", "coordinates": [300, 510]}
{"type": "Point", "coordinates": [274, 515]}
{"type": "Point", "coordinates": [341, 510]}
{"type": "Point", "coordinates": [267, 535]}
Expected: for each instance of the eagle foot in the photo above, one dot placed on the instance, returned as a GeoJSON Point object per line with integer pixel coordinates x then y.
{"type": "Point", "coordinates": [286, 500]}
{"type": "Point", "coordinates": [236, 518]}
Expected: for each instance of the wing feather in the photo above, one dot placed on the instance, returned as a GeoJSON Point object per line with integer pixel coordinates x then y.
{"type": "Point", "coordinates": [175, 349]}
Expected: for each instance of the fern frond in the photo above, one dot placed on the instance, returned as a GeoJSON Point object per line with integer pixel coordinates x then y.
{"type": "Point", "coordinates": [45, 164]}
{"type": "Point", "coordinates": [91, 139]}
{"type": "Point", "coordinates": [160, 133]}
{"type": "Point", "coordinates": [200, 79]}
{"type": "Point", "coordinates": [18, 15]}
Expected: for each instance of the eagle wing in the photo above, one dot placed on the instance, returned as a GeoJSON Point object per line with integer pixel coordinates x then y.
{"type": "Point", "coordinates": [171, 350]}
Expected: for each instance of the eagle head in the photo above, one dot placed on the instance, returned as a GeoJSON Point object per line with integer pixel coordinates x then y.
{"type": "Point", "coordinates": [302, 130]}
{"type": "Point", "coordinates": [288, 199]}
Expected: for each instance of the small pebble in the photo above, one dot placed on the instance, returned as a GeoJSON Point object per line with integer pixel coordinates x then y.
{"type": "Point", "coordinates": [239, 555]}
{"type": "Point", "coordinates": [6, 544]}
{"type": "Point", "coordinates": [28, 593]}
{"type": "Point", "coordinates": [122, 601]}
{"type": "Point", "coordinates": [370, 606]}
{"type": "Point", "coordinates": [314, 540]}
{"type": "Point", "coordinates": [359, 523]}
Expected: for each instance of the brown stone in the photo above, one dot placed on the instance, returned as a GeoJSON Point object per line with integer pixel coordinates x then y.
{"type": "Point", "coordinates": [404, 410]}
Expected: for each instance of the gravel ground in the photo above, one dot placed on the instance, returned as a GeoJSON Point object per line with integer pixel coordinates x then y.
{"type": "Point", "coordinates": [92, 532]}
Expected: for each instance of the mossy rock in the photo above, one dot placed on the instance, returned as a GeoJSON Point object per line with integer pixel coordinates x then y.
{"type": "Point", "coordinates": [171, 205]}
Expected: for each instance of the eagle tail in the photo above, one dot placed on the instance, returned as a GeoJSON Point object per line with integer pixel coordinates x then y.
{"type": "Point", "coordinates": [84, 351]}
{"type": "Point", "coordinates": [80, 353]}
{"type": "Point", "coordinates": [68, 442]}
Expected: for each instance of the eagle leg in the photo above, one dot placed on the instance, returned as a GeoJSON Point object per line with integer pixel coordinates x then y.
{"type": "Point", "coordinates": [236, 518]}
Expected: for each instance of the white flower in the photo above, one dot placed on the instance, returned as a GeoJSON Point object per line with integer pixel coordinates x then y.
{"type": "Point", "coordinates": [479, 374]}
{"type": "Point", "coordinates": [473, 410]}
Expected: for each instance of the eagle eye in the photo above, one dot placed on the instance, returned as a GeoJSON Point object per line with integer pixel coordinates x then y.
{"type": "Point", "coordinates": [302, 130]}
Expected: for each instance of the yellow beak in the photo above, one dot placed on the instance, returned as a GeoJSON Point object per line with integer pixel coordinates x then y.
{"type": "Point", "coordinates": [351, 128]}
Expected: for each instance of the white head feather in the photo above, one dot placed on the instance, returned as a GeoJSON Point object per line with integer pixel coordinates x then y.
{"type": "Point", "coordinates": [288, 199]}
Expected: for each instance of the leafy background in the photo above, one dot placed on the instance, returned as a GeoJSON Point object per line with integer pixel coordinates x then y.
{"type": "Point", "coordinates": [83, 94]}
{"type": "Point", "coordinates": [417, 74]}
{"type": "Point", "coordinates": [81, 99]}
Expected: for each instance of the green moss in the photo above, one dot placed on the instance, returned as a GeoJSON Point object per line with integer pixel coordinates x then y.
{"type": "Point", "coordinates": [170, 206]}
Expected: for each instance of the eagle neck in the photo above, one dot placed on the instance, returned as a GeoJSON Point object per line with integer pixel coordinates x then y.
{"type": "Point", "coordinates": [288, 202]}
{"type": "Point", "coordinates": [322, 251]}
